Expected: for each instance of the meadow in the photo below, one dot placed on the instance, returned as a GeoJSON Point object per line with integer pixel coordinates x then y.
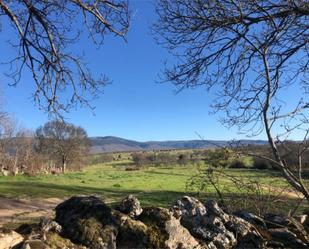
{"type": "Point", "coordinates": [159, 186]}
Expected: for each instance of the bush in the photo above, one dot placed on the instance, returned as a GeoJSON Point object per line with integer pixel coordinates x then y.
{"type": "Point", "coordinates": [237, 164]}
{"type": "Point", "coordinates": [184, 158]}
{"type": "Point", "coordinates": [259, 163]}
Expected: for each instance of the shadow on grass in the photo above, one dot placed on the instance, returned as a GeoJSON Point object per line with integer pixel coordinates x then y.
{"type": "Point", "coordinates": [23, 189]}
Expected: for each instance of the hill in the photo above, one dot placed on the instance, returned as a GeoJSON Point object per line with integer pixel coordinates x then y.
{"type": "Point", "coordinates": [117, 144]}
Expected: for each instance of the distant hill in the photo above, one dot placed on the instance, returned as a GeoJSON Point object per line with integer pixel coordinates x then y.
{"type": "Point", "coordinates": [117, 144]}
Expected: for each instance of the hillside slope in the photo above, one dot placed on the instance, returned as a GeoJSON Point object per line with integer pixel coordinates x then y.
{"type": "Point", "coordinates": [116, 144]}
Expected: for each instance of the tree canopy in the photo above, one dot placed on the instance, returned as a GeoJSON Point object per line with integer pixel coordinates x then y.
{"type": "Point", "coordinates": [65, 144]}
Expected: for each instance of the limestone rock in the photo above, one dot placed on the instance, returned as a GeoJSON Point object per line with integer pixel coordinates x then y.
{"type": "Point", "coordinates": [88, 221]}
{"type": "Point", "coordinates": [48, 225]}
{"type": "Point", "coordinates": [214, 227]}
{"type": "Point", "coordinates": [10, 239]}
{"type": "Point", "coordinates": [130, 206]}
{"type": "Point", "coordinates": [165, 231]}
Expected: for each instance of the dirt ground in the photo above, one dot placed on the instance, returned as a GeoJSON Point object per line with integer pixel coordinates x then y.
{"type": "Point", "coordinates": [17, 211]}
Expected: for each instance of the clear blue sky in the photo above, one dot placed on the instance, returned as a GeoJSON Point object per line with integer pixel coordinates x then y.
{"type": "Point", "coordinates": [134, 106]}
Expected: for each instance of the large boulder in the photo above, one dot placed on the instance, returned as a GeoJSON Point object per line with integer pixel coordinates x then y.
{"type": "Point", "coordinates": [88, 221]}
{"type": "Point", "coordinates": [214, 227]}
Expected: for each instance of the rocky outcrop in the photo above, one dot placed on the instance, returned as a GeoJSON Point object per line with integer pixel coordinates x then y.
{"type": "Point", "coordinates": [88, 223]}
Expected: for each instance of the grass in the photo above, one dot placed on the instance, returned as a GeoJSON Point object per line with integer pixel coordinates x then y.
{"type": "Point", "coordinates": [154, 186]}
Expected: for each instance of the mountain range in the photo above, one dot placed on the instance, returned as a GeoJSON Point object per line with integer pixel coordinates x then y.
{"type": "Point", "coordinates": [117, 144]}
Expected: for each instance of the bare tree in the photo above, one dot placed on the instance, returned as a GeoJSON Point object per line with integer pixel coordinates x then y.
{"type": "Point", "coordinates": [45, 32]}
{"type": "Point", "coordinates": [65, 144]}
{"type": "Point", "coordinates": [250, 52]}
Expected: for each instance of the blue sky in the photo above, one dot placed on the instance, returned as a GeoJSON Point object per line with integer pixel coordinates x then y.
{"type": "Point", "coordinates": [134, 106]}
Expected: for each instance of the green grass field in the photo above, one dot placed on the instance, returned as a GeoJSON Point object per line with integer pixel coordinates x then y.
{"type": "Point", "coordinates": [159, 186]}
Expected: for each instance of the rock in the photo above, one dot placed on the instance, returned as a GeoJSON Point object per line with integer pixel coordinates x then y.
{"type": "Point", "coordinates": [275, 220]}
{"type": "Point", "coordinates": [25, 229]}
{"type": "Point", "coordinates": [189, 206]}
{"type": "Point", "coordinates": [132, 234]}
{"type": "Point", "coordinates": [48, 225]}
{"type": "Point", "coordinates": [34, 244]}
{"type": "Point", "coordinates": [286, 238]}
{"type": "Point", "coordinates": [251, 218]}
{"type": "Point", "coordinates": [165, 231]}
{"type": "Point", "coordinates": [210, 229]}
{"type": "Point", "coordinates": [55, 241]}
{"type": "Point", "coordinates": [10, 239]}
{"type": "Point", "coordinates": [246, 234]}
{"type": "Point", "coordinates": [302, 219]}
{"type": "Point", "coordinates": [179, 237]}
{"type": "Point", "coordinates": [88, 221]}
{"type": "Point", "coordinates": [214, 227]}
{"type": "Point", "coordinates": [130, 206]}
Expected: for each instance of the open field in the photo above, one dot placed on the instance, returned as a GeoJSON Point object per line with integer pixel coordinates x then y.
{"type": "Point", "coordinates": [29, 197]}
{"type": "Point", "coordinates": [153, 185]}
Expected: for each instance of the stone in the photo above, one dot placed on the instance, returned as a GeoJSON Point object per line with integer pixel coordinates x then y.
{"type": "Point", "coordinates": [10, 239]}
{"type": "Point", "coordinates": [130, 206]}
{"type": "Point", "coordinates": [275, 220]}
{"type": "Point", "coordinates": [252, 218]}
{"type": "Point", "coordinates": [132, 234]}
{"type": "Point", "coordinates": [286, 238]}
{"type": "Point", "coordinates": [214, 227]}
{"type": "Point", "coordinates": [34, 244]}
{"type": "Point", "coordinates": [87, 221]}
{"type": "Point", "coordinates": [165, 231]}
{"type": "Point", "coordinates": [48, 225]}
{"type": "Point", "coordinates": [302, 219]}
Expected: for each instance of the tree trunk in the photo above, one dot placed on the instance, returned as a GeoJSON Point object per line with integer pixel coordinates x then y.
{"type": "Point", "coordinates": [64, 164]}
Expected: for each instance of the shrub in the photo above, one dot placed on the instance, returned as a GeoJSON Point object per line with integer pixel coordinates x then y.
{"type": "Point", "coordinates": [259, 163]}
{"type": "Point", "coordinates": [237, 164]}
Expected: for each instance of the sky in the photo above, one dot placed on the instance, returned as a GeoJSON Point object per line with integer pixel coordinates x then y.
{"type": "Point", "coordinates": [134, 105]}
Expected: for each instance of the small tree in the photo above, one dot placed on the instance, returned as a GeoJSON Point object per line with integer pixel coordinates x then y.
{"type": "Point", "coordinates": [65, 144]}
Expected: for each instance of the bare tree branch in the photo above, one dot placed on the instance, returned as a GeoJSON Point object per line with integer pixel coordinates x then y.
{"type": "Point", "coordinates": [45, 32]}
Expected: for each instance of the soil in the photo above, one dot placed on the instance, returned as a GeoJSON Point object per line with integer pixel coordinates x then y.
{"type": "Point", "coordinates": [17, 211]}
